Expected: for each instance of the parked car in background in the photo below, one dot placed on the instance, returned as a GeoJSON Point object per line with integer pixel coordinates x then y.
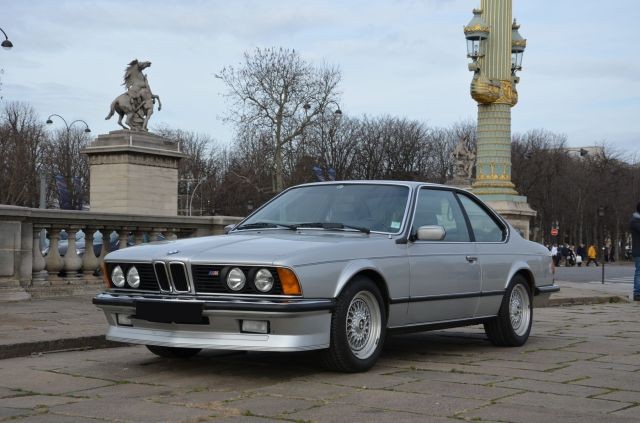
{"type": "Point", "coordinates": [333, 267]}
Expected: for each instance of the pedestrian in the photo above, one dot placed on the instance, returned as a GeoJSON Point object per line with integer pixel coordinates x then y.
{"type": "Point", "coordinates": [592, 254]}
{"type": "Point", "coordinates": [554, 255]}
{"type": "Point", "coordinates": [634, 226]}
{"type": "Point", "coordinates": [612, 254]}
{"type": "Point", "coordinates": [581, 255]}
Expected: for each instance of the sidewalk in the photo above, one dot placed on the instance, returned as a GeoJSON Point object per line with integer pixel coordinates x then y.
{"type": "Point", "coordinates": [45, 325]}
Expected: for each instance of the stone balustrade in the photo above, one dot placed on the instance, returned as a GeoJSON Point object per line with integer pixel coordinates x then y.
{"type": "Point", "coordinates": [26, 272]}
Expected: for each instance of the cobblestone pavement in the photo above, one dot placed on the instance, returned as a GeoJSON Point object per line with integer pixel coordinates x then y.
{"type": "Point", "coordinates": [581, 364]}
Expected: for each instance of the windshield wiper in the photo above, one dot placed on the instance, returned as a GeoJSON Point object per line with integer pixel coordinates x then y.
{"type": "Point", "coordinates": [258, 225]}
{"type": "Point", "coordinates": [333, 225]}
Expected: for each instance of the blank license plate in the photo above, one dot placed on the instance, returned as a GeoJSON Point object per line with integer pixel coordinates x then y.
{"type": "Point", "coordinates": [174, 312]}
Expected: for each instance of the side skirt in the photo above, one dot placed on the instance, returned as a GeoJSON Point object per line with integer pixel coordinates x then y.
{"type": "Point", "coordinates": [423, 327]}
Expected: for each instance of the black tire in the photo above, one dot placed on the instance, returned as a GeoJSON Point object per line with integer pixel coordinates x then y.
{"type": "Point", "coordinates": [512, 326]}
{"type": "Point", "coordinates": [173, 352]}
{"type": "Point", "coordinates": [358, 328]}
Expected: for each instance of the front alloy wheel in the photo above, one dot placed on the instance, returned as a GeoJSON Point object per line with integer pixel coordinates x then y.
{"type": "Point", "coordinates": [358, 328]}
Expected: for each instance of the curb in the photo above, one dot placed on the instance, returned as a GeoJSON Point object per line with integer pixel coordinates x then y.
{"type": "Point", "coordinates": [57, 345]}
{"type": "Point", "coordinates": [606, 299]}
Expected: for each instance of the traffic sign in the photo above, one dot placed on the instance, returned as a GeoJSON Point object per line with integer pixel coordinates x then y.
{"type": "Point", "coordinates": [554, 232]}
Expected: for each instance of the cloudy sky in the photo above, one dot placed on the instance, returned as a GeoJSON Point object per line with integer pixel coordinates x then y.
{"type": "Point", "coordinates": [406, 58]}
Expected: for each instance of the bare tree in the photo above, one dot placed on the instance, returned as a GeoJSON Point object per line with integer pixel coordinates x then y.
{"type": "Point", "coordinates": [66, 168]}
{"type": "Point", "coordinates": [279, 93]}
{"type": "Point", "coordinates": [200, 173]}
{"type": "Point", "coordinates": [22, 139]}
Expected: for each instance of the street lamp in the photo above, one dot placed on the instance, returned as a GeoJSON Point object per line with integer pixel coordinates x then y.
{"type": "Point", "coordinates": [68, 126]}
{"type": "Point", "coordinates": [476, 34]}
{"type": "Point", "coordinates": [518, 44]}
{"type": "Point", "coordinates": [6, 44]}
{"type": "Point", "coordinates": [337, 112]}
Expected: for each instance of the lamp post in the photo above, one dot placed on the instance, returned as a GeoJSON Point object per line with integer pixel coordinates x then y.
{"type": "Point", "coordinates": [68, 126]}
{"type": "Point", "coordinates": [6, 44]}
{"type": "Point", "coordinates": [496, 48]}
{"type": "Point", "coordinates": [601, 210]}
{"type": "Point", "coordinates": [193, 193]}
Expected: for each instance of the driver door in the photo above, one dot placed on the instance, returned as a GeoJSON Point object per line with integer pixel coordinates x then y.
{"type": "Point", "coordinates": [445, 275]}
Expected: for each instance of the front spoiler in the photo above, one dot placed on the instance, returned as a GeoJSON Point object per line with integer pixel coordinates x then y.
{"type": "Point", "coordinates": [294, 324]}
{"type": "Point", "coordinates": [270, 305]}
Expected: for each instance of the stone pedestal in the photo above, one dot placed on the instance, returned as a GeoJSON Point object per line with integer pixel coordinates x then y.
{"type": "Point", "coordinates": [514, 208]}
{"type": "Point", "coordinates": [134, 172]}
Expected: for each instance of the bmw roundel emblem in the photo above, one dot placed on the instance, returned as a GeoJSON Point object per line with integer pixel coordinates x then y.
{"type": "Point", "coordinates": [172, 252]}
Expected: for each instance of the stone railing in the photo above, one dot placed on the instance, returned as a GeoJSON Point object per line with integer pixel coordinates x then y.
{"type": "Point", "coordinates": [26, 272]}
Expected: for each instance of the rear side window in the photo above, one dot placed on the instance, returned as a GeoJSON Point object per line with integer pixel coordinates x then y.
{"type": "Point", "coordinates": [485, 228]}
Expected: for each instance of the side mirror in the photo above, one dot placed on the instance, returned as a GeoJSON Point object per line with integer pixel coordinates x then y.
{"type": "Point", "coordinates": [431, 233]}
{"type": "Point", "coordinates": [229, 228]}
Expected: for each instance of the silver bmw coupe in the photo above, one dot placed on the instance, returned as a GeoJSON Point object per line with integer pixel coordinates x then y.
{"type": "Point", "coordinates": [333, 267]}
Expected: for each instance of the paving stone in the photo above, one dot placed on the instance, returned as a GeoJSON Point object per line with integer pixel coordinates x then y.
{"type": "Point", "coordinates": [144, 411]}
{"type": "Point", "coordinates": [450, 376]}
{"type": "Point", "coordinates": [624, 396]}
{"type": "Point", "coordinates": [6, 392]}
{"type": "Point", "coordinates": [359, 380]}
{"type": "Point", "coordinates": [58, 418]}
{"type": "Point", "coordinates": [209, 399]}
{"type": "Point", "coordinates": [13, 413]}
{"type": "Point", "coordinates": [34, 401]}
{"type": "Point", "coordinates": [552, 388]}
{"type": "Point", "coordinates": [304, 389]}
{"type": "Point", "coordinates": [433, 405]}
{"type": "Point", "coordinates": [458, 390]}
{"type": "Point", "coordinates": [523, 413]}
{"type": "Point", "coordinates": [564, 402]}
{"type": "Point", "coordinates": [269, 405]}
{"type": "Point", "coordinates": [522, 365]}
{"type": "Point", "coordinates": [631, 412]}
{"type": "Point", "coordinates": [339, 413]}
{"type": "Point", "coordinates": [46, 382]}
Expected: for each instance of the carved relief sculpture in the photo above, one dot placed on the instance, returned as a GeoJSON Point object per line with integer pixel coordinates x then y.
{"type": "Point", "coordinates": [137, 103]}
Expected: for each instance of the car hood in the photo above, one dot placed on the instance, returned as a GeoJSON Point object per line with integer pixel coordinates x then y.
{"type": "Point", "coordinates": [265, 247]}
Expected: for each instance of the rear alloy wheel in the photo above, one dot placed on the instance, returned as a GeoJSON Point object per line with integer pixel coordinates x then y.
{"type": "Point", "coordinates": [512, 326]}
{"type": "Point", "coordinates": [173, 352]}
{"type": "Point", "coordinates": [358, 328]}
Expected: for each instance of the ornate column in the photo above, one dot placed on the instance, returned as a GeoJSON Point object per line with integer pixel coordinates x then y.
{"type": "Point", "coordinates": [492, 42]}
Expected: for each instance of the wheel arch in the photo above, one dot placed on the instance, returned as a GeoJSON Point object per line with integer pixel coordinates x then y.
{"type": "Point", "coordinates": [368, 270]}
{"type": "Point", "coordinates": [528, 276]}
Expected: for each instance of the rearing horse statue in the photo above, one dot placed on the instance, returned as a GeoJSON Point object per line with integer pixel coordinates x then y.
{"type": "Point", "coordinates": [137, 103]}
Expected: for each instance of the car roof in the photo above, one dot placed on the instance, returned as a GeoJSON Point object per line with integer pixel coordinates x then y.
{"type": "Point", "coordinates": [377, 182]}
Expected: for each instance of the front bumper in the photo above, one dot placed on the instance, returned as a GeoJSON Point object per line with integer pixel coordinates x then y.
{"type": "Point", "coordinates": [294, 324]}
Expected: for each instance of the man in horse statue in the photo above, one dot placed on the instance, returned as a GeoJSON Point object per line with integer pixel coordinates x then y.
{"type": "Point", "coordinates": [137, 103]}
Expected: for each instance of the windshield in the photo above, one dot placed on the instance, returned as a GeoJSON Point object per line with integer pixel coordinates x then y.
{"type": "Point", "coordinates": [364, 207]}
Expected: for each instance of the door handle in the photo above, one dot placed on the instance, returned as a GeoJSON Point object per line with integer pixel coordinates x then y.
{"type": "Point", "coordinates": [472, 259]}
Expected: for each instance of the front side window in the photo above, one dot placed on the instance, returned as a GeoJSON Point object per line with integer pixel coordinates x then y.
{"type": "Point", "coordinates": [485, 228]}
{"type": "Point", "coordinates": [440, 207]}
{"type": "Point", "coordinates": [377, 207]}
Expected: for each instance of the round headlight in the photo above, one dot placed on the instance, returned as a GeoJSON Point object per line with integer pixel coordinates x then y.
{"type": "Point", "coordinates": [133, 278]}
{"type": "Point", "coordinates": [263, 280]}
{"type": "Point", "coordinates": [236, 279]}
{"type": "Point", "coordinates": [117, 276]}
